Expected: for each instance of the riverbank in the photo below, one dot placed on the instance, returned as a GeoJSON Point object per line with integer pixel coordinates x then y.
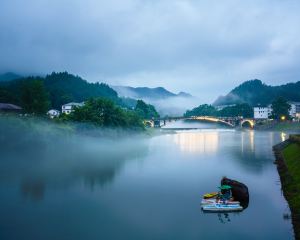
{"type": "Point", "coordinates": [51, 127]}
{"type": "Point", "coordinates": [287, 156]}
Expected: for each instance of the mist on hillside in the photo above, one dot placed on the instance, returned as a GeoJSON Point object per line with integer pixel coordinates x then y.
{"type": "Point", "coordinates": [166, 103]}
{"type": "Point", "coordinates": [174, 106]}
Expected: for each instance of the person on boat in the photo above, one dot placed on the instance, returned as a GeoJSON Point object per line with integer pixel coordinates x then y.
{"type": "Point", "coordinates": [225, 194]}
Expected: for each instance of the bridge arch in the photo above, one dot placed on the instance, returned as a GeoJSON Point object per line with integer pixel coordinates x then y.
{"type": "Point", "coordinates": [251, 122]}
{"type": "Point", "coordinates": [149, 123]}
{"type": "Point", "coordinates": [229, 121]}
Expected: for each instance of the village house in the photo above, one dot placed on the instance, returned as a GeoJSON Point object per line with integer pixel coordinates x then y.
{"type": "Point", "coordinates": [220, 107]}
{"type": "Point", "coordinates": [9, 108]}
{"type": "Point", "coordinates": [265, 112]}
{"type": "Point", "coordinates": [53, 113]}
{"type": "Point", "coordinates": [69, 107]}
{"type": "Point", "coordinates": [262, 112]}
{"type": "Point", "coordinates": [295, 109]}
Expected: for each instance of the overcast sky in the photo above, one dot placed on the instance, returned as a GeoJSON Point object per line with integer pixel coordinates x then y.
{"type": "Point", "coordinates": [201, 47]}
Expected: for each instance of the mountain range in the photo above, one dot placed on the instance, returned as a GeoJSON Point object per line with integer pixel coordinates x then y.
{"type": "Point", "coordinates": [61, 87]}
{"type": "Point", "coordinates": [166, 102]}
{"type": "Point", "coordinates": [255, 92]}
{"type": "Point", "coordinates": [64, 87]}
{"type": "Point", "coordinates": [147, 93]}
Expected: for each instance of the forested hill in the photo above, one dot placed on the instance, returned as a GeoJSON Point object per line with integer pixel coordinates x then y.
{"type": "Point", "coordinates": [61, 88]}
{"type": "Point", "coordinates": [255, 92]}
{"type": "Point", "coordinates": [64, 87]}
{"type": "Point", "coordinates": [9, 76]}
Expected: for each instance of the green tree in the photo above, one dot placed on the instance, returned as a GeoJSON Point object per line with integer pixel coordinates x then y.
{"type": "Point", "coordinates": [64, 87]}
{"type": "Point", "coordinates": [5, 95]}
{"type": "Point", "coordinates": [105, 113]}
{"type": "Point", "coordinates": [34, 98]}
{"type": "Point", "coordinates": [202, 110]}
{"type": "Point", "coordinates": [244, 110]}
{"type": "Point", "coordinates": [146, 111]}
{"type": "Point", "coordinates": [280, 108]}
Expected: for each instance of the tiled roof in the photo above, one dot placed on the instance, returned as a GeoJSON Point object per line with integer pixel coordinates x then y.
{"type": "Point", "coordinates": [9, 106]}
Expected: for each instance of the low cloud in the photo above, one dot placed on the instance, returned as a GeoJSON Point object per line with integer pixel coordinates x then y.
{"type": "Point", "coordinates": [174, 106]}
{"type": "Point", "coordinates": [198, 47]}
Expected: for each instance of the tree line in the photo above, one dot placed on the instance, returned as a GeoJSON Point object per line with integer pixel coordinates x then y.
{"type": "Point", "coordinates": [103, 107]}
{"type": "Point", "coordinates": [244, 110]}
{"type": "Point", "coordinates": [280, 110]}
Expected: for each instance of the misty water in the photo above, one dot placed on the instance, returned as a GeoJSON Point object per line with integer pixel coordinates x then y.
{"type": "Point", "coordinates": [58, 186]}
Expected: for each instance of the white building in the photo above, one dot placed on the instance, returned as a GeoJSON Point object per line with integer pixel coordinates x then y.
{"type": "Point", "coordinates": [265, 112]}
{"type": "Point", "coordinates": [220, 107]}
{"type": "Point", "coordinates": [295, 109]}
{"type": "Point", "coordinates": [69, 107]}
{"type": "Point", "coordinates": [53, 113]}
{"type": "Point", "coordinates": [262, 112]}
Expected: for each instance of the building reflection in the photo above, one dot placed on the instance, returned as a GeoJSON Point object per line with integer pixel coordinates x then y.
{"type": "Point", "coordinates": [247, 141]}
{"type": "Point", "coordinates": [283, 136]}
{"type": "Point", "coordinates": [33, 189]}
{"type": "Point", "coordinates": [255, 149]}
{"type": "Point", "coordinates": [197, 142]}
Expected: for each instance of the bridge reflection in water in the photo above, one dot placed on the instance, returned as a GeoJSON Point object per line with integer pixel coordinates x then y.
{"type": "Point", "coordinates": [208, 141]}
{"type": "Point", "coordinates": [197, 142]}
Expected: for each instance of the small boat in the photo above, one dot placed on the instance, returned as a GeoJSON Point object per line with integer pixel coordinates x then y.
{"type": "Point", "coordinates": [214, 200]}
{"type": "Point", "coordinates": [210, 195]}
{"type": "Point", "coordinates": [221, 202]}
{"type": "Point", "coordinates": [218, 207]}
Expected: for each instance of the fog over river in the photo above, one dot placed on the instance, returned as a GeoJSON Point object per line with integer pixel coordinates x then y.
{"type": "Point", "coordinates": [55, 184]}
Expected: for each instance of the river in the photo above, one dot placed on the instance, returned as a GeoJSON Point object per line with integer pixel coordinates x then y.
{"type": "Point", "coordinates": [144, 188]}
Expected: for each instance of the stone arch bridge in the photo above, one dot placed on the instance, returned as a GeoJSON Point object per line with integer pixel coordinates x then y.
{"type": "Point", "coordinates": [229, 121]}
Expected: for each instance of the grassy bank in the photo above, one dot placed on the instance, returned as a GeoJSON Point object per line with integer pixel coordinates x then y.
{"type": "Point", "coordinates": [288, 164]}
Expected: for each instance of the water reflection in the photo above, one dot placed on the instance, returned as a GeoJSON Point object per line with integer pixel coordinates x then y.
{"type": "Point", "coordinates": [197, 142]}
{"type": "Point", "coordinates": [33, 189]}
{"type": "Point", "coordinates": [91, 188]}
{"type": "Point", "coordinates": [224, 217]}
{"type": "Point", "coordinates": [247, 141]}
{"type": "Point", "coordinates": [250, 148]}
{"type": "Point", "coordinates": [283, 136]}
{"type": "Point", "coordinates": [92, 173]}
{"type": "Point", "coordinates": [254, 150]}
{"type": "Point", "coordinates": [43, 159]}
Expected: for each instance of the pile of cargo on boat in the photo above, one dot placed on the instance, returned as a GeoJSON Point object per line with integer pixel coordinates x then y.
{"type": "Point", "coordinates": [232, 196]}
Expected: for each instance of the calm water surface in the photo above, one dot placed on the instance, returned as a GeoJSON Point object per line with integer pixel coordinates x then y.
{"type": "Point", "coordinates": [148, 188]}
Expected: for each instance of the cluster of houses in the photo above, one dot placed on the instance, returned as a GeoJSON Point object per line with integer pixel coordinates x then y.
{"type": "Point", "coordinates": [259, 111]}
{"type": "Point", "coordinates": [66, 108]}
{"type": "Point", "coordinates": [265, 112]}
